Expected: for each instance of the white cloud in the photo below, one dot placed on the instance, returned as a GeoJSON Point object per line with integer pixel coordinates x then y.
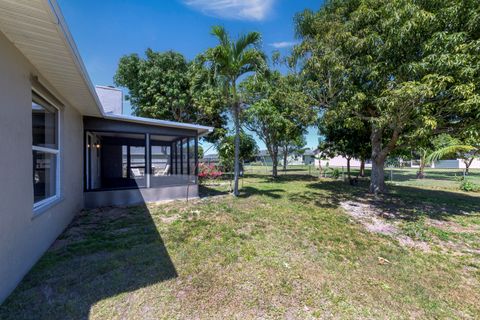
{"type": "Point", "coordinates": [283, 44]}
{"type": "Point", "coordinates": [233, 9]}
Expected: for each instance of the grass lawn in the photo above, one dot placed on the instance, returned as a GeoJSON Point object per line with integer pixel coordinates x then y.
{"type": "Point", "coordinates": [294, 248]}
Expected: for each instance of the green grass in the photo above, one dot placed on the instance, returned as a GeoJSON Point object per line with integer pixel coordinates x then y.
{"type": "Point", "coordinates": [283, 249]}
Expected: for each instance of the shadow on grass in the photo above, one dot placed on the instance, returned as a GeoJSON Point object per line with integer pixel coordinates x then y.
{"type": "Point", "coordinates": [211, 190]}
{"type": "Point", "coordinates": [103, 253]}
{"type": "Point", "coordinates": [402, 202]}
{"type": "Point", "coordinates": [248, 191]}
{"type": "Point", "coordinates": [282, 178]}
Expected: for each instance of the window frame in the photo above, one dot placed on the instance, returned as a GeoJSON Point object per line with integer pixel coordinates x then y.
{"type": "Point", "coordinates": [39, 206]}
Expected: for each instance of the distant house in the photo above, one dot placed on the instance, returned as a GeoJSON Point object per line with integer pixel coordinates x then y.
{"type": "Point", "coordinates": [69, 146]}
{"type": "Point", "coordinates": [450, 164]}
{"type": "Point", "coordinates": [305, 158]}
{"type": "Point", "coordinates": [340, 161]}
{"type": "Point", "coordinates": [211, 158]}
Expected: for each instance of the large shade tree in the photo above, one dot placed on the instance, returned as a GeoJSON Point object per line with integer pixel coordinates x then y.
{"type": "Point", "coordinates": [227, 62]}
{"type": "Point", "coordinates": [407, 68]}
{"type": "Point", "coordinates": [160, 86]}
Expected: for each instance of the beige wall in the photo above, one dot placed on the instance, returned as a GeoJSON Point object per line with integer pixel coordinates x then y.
{"type": "Point", "coordinates": [24, 238]}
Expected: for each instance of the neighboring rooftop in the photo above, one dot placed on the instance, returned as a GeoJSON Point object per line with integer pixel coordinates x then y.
{"type": "Point", "coordinates": [111, 99]}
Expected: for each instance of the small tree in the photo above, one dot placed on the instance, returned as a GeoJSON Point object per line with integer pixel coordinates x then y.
{"type": "Point", "coordinates": [467, 150]}
{"type": "Point", "coordinates": [226, 150]}
{"type": "Point", "coordinates": [278, 111]}
{"type": "Point", "coordinates": [228, 61]}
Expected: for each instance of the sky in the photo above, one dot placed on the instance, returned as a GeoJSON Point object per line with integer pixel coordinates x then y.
{"type": "Point", "coordinates": [106, 30]}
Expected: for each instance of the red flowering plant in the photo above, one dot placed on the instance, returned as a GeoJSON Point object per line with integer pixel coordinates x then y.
{"type": "Point", "coordinates": [208, 171]}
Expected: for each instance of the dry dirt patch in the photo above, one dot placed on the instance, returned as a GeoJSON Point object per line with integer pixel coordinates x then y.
{"type": "Point", "coordinates": [371, 218]}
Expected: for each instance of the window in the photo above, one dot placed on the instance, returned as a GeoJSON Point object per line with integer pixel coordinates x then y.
{"type": "Point", "coordinates": [45, 151]}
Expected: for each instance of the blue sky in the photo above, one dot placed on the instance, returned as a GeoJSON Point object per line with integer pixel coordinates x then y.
{"type": "Point", "coordinates": [108, 29]}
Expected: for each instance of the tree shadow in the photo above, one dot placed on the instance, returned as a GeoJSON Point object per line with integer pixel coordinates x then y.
{"type": "Point", "coordinates": [103, 253]}
{"type": "Point", "coordinates": [211, 191]}
{"type": "Point", "coordinates": [402, 202]}
{"type": "Point", "coordinates": [247, 192]}
{"type": "Point", "coordinates": [282, 178]}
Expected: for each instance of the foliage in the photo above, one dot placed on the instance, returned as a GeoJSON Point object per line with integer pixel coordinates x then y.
{"type": "Point", "coordinates": [158, 84]}
{"type": "Point", "coordinates": [408, 68]}
{"type": "Point", "coordinates": [226, 150]}
{"type": "Point", "coordinates": [278, 111]}
{"type": "Point", "coordinates": [200, 152]}
{"type": "Point", "coordinates": [208, 171]}
{"type": "Point", "coordinates": [226, 63]}
{"type": "Point", "coordinates": [341, 139]}
{"type": "Point", "coordinates": [160, 87]}
{"type": "Point", "coordinates": [469, 186]}
{"type": "Point", "coordinates": [467, 149]}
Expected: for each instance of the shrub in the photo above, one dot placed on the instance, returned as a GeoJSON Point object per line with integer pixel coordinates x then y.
{"type": "Point", "coordinates": [208, 171]}
{"type": "Point", "coordinates": [469, 186]}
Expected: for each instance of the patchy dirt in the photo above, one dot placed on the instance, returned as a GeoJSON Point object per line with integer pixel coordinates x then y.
{"type": "Point", "coordinates": [451, 226]}
{"type": "Point", "coordinates": [373, 220]}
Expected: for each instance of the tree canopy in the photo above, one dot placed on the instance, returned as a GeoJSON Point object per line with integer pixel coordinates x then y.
{"type": "Point", "coordinates": [278, 111]}
{"type": "Point", "coordinates": [161, 87]}
{"type": "Point", "coordinates": [407, 68]}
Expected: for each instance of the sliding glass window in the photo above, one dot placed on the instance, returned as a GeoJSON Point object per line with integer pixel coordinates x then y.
{"type": "Point", "coordinates": [45, 151]}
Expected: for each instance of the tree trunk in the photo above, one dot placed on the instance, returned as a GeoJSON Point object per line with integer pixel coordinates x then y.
{"type": "Point", "coordinates": [362, 168]}
{"type": "Point", "coordinates": [421, 169]}
{"type": "Point", "coordinates": [468, 162]}
{"type": "Point", "coordinates": [348, 168]}
{"type": "Point", "coordinates": [237, 149]}
{"type": "Point", "coordinates": [320, 169]}
{"type": "Point", "coordinates": [377, 178]}
{"type": "Point", "coordinates": [275, 165]}
{"type": "Point", "coordinates": [285, 156]}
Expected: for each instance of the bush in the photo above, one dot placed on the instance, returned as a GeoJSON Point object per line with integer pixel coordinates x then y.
{"type": "Point", "coordinates": [469, 186]}
{"type": "Point", "coordinates": [334, 172]}
{"type": "Point", "coordinates": [208, 171]}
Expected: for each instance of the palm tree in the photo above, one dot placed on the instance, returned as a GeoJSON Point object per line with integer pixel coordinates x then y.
{"type": "Point", "coordinates": [228, 61]}
{"type": "Point", "coordinates": [466, 152]}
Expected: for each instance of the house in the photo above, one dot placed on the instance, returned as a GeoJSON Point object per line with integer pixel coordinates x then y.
{"type": "Point", "coordinates": [448, 164]}
{"type": "Point", "coordinates": [340, 161]}
{"type": "Point", "coordinates": [211, 158]}
{"type": "Point", "coordinates": [294, 158]}
{"type": "Point", "coordinates": [66, 151]}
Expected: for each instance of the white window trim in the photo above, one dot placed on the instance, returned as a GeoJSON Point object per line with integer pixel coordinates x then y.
{"type": "Point", "coordinates": [40, 206]}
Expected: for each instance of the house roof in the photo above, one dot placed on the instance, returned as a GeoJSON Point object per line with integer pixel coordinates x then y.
{"type": "Point", "coordinates": [38, 30]}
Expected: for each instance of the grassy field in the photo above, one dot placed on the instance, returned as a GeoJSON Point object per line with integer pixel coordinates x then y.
{"type": "Point", "coordinates": [293, 248]}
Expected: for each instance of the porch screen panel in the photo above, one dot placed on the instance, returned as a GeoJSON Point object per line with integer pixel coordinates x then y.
{"type": "Point", "coordinates": [179, 157]}
{"type": "Point", "coordinates": [121, 159]}
{"type": "Point", "coordinates": [163, 161]}
{"type": "Point", "coordinates": [185, 156]}
{"type": "Point", "coordinates": [192, 154]}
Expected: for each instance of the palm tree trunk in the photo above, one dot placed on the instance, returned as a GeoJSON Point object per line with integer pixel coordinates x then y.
{"type": "Point", "coordinates": [236, 169]}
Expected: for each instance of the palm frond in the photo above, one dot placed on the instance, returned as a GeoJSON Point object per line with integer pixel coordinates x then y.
{"type": "Point", "coordinates": [221, 34]}
{"type": "Point", "coordinates": [246, 40]}
{"type": "Point", "coordinates": [440, 153]}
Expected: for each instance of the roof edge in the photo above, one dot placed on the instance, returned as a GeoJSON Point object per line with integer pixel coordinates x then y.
{"type": "Point", "coordinates": [202, 130]}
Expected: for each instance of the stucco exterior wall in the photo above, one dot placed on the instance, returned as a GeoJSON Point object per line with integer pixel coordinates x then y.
{"type": "Point", "coordinates": [25, 237]}
{"type": "Point", "coordinates": [340, 161]}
